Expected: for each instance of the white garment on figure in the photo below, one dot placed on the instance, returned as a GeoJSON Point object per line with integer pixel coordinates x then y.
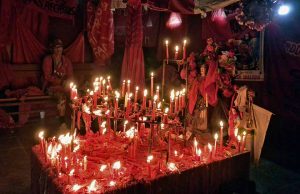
{"type": "Point", "coordinates": [261, 119]}
{"type": "Point", "coordinates": [241, 98]}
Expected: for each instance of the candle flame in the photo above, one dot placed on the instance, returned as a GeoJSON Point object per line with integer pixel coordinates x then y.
{"type": "Point", "coordinates": [107, 112]}
{"type": "Point", "coordinates": [117, 94]}
{"type": "Point", "coordinates": [76, 148]}
{"type": "Point", "coordinates": [117, 165]}
{"type": "Point", "coordinates": [137, 88]}
{"type": "Point", "coordinates": [198, 152]}
{"type": "Point", "coordinates": [166, 110]}
{"type": "Point", "coordinates": [167, 42]}
{"type": "Point", "coordinates": [76, 187]}
{"type": "Point", "coordinates": [244, 133]}
{"type": "Point", "coordinates": [221, 124]}
{"type": "Point", "coordinates": [124, 81]}
{"type": "Point", "coordinates": [172, 166]}
{"type": "Point", "coordinates": [195, 143]}
{"type": "Point", "coordinates": [155, 98]}
{"type": "Point", "coordinates": [157, 87]}
{"type": "Point", "coordinates": [145, 92]}
{"type": "Point", "coordinates": [172, 96]}
{"type": "Point", "coordinates": [130, 133]}
{"type": "Point", "coordinates": [184, 42]}
{"type": "Point", "coordinates": [91, 93]}
{"type": "Point", "coordinates": [216, 136]}
{"type": "Point", "coordinates": [209, 147]}
{"type": "Point", "coordinates": [176, 48]}
{"type": "Point", "coordinates": [239, 138]}
{"type": "Point", "coordinates": [103, 167]}
{"type": "Point", "coordinates": [152, 74]}
{"type": "Point", "coordinates": [103, 124]}
{"type": "Point", "coordinates": [112, 183]}
{"type": "Point", "coordinates": [92, 187]}
{"type": "Point", "coordinates": [72, 172]}
{"type": "Point", "coordinates": [175, 153]}
{"type": "Point", "coordinates": [159, 105]}
{"type": "Point", "coordinates": [41, 134]}
{"type": "Point", "coordinates": [128, 81]}
{"type": "Point", "coordinates": [97, 112]}
{"type": "Point", "coordinates": [65, 139]}
{"type": "Point", "coordinates": [71, 84]}
{"type": "Point", "coordinates": [149, 158]}
{"type": "Point", "coordinates": [86, 109]}
{"type": "Point", "coordinates": [108, 78]}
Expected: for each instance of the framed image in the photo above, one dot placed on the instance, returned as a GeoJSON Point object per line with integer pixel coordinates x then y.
{"type": "Point", "coordinates": [250, 61]}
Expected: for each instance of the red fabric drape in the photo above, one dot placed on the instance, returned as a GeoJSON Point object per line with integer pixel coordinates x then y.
{"type": "Point", "coordinates": [27, 49]}
{"type": "Point", "coordinates": [100, 30]}
{"type": "Point", "coordinates": [75, 52]}
{"type": "Point", "coordinates": [133, 60]}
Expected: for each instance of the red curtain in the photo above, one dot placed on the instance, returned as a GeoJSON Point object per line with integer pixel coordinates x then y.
{"type": "Point", "coordinates": [100, 30]}
{"type": "Point", "coordinates": [75, 52]}
{"type": "Point", "coordinates": [133, 60]}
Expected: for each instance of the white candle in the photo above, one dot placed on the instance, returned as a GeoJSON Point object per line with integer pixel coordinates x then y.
{"type": "Point", "coordinates": [149, 159]}
{"type": "Point", "coordinates": [136, 94]}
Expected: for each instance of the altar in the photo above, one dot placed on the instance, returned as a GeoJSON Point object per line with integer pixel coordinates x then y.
{"type": "Point", "coordinates": [202, 178]}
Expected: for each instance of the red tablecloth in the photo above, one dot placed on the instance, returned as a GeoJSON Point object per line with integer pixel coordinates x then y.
{"type": "Point", "coordinates": [204, 178]}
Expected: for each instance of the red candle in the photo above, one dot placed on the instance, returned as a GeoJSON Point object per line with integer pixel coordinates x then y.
{"type": "Point", "coordinates": [128, 86]}
{"type": "Point", "coordinates": [109, 83]}
{"type": "Point", "coordinates": [149, 159]}
{"type": "Point", "coordinates": [152, 84]}
{"type": "Point", "coordinates": [123, 89]}
{"type": "Point", "coordinates": [184, 49]}
{"type": "Point", "coordinates": [176, 52]}
{"type": "Point", "coordinates": [221, 136]}
{"type": "Point", "coordinates": [215, 148]}
{"type": "Point", "coordinates": [165, 117]}
{"type": "Point", "coordinates": [244, 140]}
{"type": "Point", "coordinates": [157, 92]}
{"type": "Point", "coordinates": [209, 151]}
{"type": "Point", "coordinates": [172, 96]}
{"type": "Point", "coordinates": [167, 51]}
{"type": "Point", "coordinates": [100, 85]}
{"type": "Point", "coordinates": [176, 102]}
{"type": "Point", "coordinates": [144, 99]}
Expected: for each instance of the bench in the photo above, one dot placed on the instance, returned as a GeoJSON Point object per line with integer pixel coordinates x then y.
{"type": "Point", "coordinates": [43, 103]}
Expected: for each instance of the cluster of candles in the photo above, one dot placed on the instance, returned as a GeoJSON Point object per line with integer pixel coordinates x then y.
{"type": "Point", "coordinates": [63, 154]}
{"type": "Point", "coordinates": [176, 49]}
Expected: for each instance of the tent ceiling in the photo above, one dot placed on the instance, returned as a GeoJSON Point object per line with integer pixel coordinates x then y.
{"type": "Point", "coordinates": [210, 5]}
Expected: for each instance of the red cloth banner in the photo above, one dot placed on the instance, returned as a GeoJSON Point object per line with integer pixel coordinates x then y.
{"type": "Point", "coordinates": [64, 9]}
{"type": "Point", "coordinates": [133, 60]}
{"type": "Point", "coordinates": [100, 28]}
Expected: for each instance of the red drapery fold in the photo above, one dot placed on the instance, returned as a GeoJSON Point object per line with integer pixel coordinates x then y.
{"type": "Point", "coordinates": [100, 30]}
{"type": "Point", "coordinates": [75, 52]}
{"type": "Point", "coordinates": [27, 49]}
{"type": "Point", "coordinates": [133, 60]}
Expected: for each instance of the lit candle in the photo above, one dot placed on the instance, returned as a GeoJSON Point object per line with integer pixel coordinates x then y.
{"type": "Point", "coordinates": [195, 146]}
{"type": "Point", "coordinates": [123, 88]}
{"type": "Point", "coordinates": [117, 94]}
{"type": "Point", "coordinates": [172, 96]}
{"type": "Point", "coordinates": [42, 145]}
{"type": "Point", "coordinates": [167, 51]}
{"type": "Point", "coordinates": [221, 136]}
{"type": "Point", "coordinates": [109, 83]}
{"type": "Point", "coordinates": [124, 127]}
{"type": "Point", "coordinates": [184, 49]}
{"type": "Point", "coordinates": [206, 100]}
{"type": "Point", "coordinates": [198, 154]}
{"type": "Point", "coordinates": [176, 102]}
{"type": "Point", "coordinates": [84, 163]}
{"type": "Point", "coordinates": [144, 99]}
{"type": "Point", "coordinates": [135, 98]}
{"type": "Point", "coordinates": [71, 173]}
{"type": "Point", "coordinates": [128, 86]}
{"type": "Point", "coordinates": [165, 119]}
{"type": "Point", "coordinates": [100, 85]}
{"type": "Point", "coordinates": [152, 84]}
{"type": "Point", "coordinates": [149, 158]}
{"type": "Point", "coordinates": [104, 86]}
{"type": "Point", "coordinates": [239, 142]}
{"type": "Point", "coordinates": [216, 139]}
{"type": "Point", "coordinates": [157, 92]}
{"type": "Point", "coordinates": [244, 140]}
{"type": "Point", "coordinates": [209, 151]}
{"type": "Point", "coordinates": [176, 52]}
